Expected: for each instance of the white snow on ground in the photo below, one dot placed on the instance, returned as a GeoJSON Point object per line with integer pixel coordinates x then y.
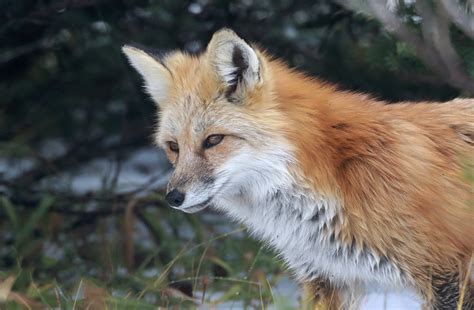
{"type": "Point", "coordinates": [286, 294]}
{"type": "Point", "coordinates": [146, 166]}
{"type": "Point", "coordinates": [375, 299]}
{"type": "Point", "coordinates": [403, 300]}
{"type": "Point", "coordinates": [13, 168]}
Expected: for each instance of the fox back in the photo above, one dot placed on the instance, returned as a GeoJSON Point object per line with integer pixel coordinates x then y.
{"type": "Point", "coordinates": [346, 188]}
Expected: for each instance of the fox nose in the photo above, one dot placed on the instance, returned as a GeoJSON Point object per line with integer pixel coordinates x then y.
{"type": "Point", "coordinates": [175, 198]}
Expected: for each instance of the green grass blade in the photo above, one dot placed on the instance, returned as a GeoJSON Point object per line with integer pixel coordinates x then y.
{"type": "Point", "coordinates": [33, 220]}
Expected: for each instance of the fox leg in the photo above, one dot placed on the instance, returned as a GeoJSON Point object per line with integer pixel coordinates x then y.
{"type": "Point", "coordinates": [319, 294]}
{"type": "Point", "coordinates": [449, 291]}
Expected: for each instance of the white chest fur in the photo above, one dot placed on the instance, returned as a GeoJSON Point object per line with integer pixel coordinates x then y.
{"type": "Point", "coordinates": [301, 228]}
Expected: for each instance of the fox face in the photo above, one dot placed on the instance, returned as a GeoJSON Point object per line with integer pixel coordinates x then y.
{"type": "Point", "coordinates": [211, 112]}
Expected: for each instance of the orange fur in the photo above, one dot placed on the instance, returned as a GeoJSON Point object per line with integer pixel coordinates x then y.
{"type": "Point", "coordinates": [397, 168]}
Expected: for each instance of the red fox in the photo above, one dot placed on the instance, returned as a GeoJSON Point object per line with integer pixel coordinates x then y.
{"type": "Point", "coordinates": [348, 189]}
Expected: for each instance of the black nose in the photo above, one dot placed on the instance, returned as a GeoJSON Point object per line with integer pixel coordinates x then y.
{"type": "Point", "coordinates": [175, 198]}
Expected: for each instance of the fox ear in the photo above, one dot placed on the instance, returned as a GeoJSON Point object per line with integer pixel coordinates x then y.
{"type": "Point", "coordinates": [156, 76]}
{"type": "Point", "coordinates": [235, 62]}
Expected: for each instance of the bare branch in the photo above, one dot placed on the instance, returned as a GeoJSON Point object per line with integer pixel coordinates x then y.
{"type": "Point", "coordinates": [19, 51]}
{"type": "Point", "coordinates": [394, 25]}
{"type": "Point", "coordinates": [440, 64]}
{"type": "Point", "coordinates": [458, 16]}
{"type": "Point", "coordinates": [45, 12]}
{"type": "Point", "coordinates": [78, 154]}
{"type": "Point", "coordinates": [64, 202]}
{"type": "Point", "coordinates": [436, 35]}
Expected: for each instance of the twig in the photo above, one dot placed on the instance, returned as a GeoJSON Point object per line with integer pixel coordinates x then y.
{"type": "Point", "coordinates": [54, 8]}
{"type": "Point", "coordinates": [31, 198]}
{"type": "Point", "coordinates": [435, 29]}
{"type": "Point", "coordinates": [79, 153]}
{"type": "Point", "coordinates": [455, 76]}
{"type": "Point", "coordinates": [128, 224]}
{"type": "Point", "coordinates": [459, 16]}
{"type": "Point", "coordinates": [19, 51]}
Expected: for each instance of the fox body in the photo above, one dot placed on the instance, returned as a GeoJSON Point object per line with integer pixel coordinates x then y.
{"type": "Point", "coordinates": [348, 190]}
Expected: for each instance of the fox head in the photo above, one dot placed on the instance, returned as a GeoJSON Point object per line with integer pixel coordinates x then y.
{"type": "Point", "coordinates": [218, 123]}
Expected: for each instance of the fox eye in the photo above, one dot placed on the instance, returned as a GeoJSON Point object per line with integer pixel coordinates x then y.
{"type": "Point", "coordinates": [212, 140]}
{"type": "Point", "coordinates": [173, 146]}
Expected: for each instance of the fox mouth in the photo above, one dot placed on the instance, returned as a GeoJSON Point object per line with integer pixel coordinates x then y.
{"type": "Point", "coordinates": [197, 207]}
{"type": "Point", "coordinates": [203, 205]}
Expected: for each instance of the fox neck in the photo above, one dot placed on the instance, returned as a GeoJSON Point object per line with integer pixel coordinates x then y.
{"type": "Point", "coordinates": [277, 209]}
{"type": "Point", "coordinates": [304, 227]}
{"type": "Point", "coordinates": [275, 188]}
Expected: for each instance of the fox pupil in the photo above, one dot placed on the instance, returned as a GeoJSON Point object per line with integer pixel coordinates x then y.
{"type": "Point", "coordinates": [173, 147]}
{"type": "Point", "coordinates": [212, 140]}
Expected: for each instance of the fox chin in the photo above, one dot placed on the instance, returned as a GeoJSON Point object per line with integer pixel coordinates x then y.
{"type": "Point", "coordinates": [348, 189]}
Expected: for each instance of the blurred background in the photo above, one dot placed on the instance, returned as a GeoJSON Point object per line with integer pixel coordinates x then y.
{"type": "Point", "coordinates": [82, 221]}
